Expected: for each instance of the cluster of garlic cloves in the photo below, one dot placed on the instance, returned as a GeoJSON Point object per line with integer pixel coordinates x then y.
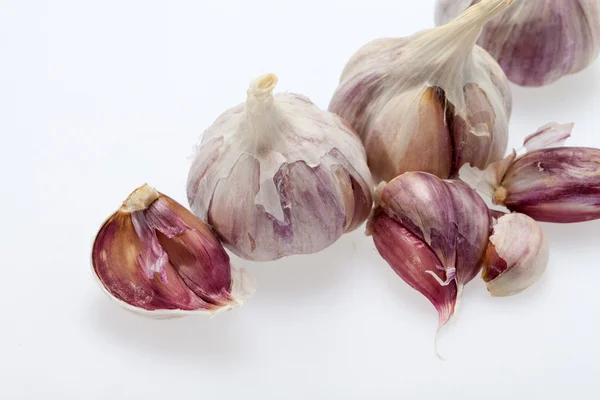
{"type": "Point", "coordinates": [430, 102]}
{"type": "Point", "coordinates": [549, 182]}
{"type": "Point", "coordinates": [433, 233]}
{"type": "Point", "coordinates": [156, 258]}
{"type": "Point", "coordinates": [277, 176]}
{"type": "Point", "coordinates": [517, 255]}
{"type": "Point", "coordinates": [537, 41]}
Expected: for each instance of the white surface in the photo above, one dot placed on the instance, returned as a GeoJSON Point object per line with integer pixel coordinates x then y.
{"type": "Point", "coordinates": [98, 99]}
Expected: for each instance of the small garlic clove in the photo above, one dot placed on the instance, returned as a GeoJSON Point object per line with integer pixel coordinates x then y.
{"type": "Point", "coordinates": [516, 257]}
{"type": "Point", "coordinates": [554, 185]}
{"type": "Point", "coordinates": [537, 41]}
{"type": "Point", "coordinates": [414, 262]}
{"type": "Point", "coordinates": [548, 183]}
{"type": "Point", "coordinates": [277, 176]}
{"type": "Point", "coordinates": [415, 112]}
{"type": "Point", "coordinates": [155, 258]}
{"type": "Point", "coordinates": [433, 233]}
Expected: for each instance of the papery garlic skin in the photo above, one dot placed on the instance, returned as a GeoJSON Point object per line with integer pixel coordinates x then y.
{"type": "Point", "coordinates": [537, 41]}
{"type": "Point", "coordinates": [157, 259]}
{"type": "Point", "coordinates": [277, 176]}
{"type": "Point", "coordinates": [433, 233]}
{"type": "Point", "coordinates": [430, 102]}
{"type": "Point", "coordinates": [548, 183]}
{"type": "Point", "coordinates": [516, 257]}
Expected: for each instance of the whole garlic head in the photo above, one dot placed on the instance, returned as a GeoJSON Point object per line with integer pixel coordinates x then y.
{"type": "Point", "coordinates": [537, 41]}
{"type": "Point", "coordinates": [430, 102]}
{"type": "Point", "coordinates": [277, 176]}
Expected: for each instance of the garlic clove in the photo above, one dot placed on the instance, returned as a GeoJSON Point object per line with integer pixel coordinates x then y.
{"type": "Point", "coordinates": [276, 176]}
{"type": "Point", "coordinates": [516, 257]}
{"type": "Point", "coordinates": [155, 258]}
{"type": "Point", "coordinates": [554, 185]}
{"type": "Point", "coordinates": [548, 183]}
{"type": "Point", "coordinates": [414, 262]}
{"type": "Point", "coordinates": [427, 146]}
{"type": "Point", "coordinates": [415, 112]}
{"type": "Point", "coordinates": [433, 233]}
{"type": "Point", "coordinates": [537, 41]}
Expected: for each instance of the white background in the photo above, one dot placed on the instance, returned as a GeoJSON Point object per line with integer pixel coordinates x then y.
{"type": "Point", "coordinates": [97, 98]}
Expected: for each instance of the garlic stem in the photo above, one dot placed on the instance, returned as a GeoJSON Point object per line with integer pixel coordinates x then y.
{"type": "Point", "coordinates": [140, 199]}
{"type": "Point", "coordinates": [260, 112]}
{"type": "Point", "coordinates": [472, 20]}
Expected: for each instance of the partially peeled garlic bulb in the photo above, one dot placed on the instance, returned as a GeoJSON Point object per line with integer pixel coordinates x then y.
{"type": "Point", "coordinates": [277, 176]}
{"type": "Point", "coordinates": [430, 102]}
{"type": "Point", "coordinates": [537, 41]}
{"type": "Point", "coordinates": [548, 182]}
{"type": "Point", "coordinates": [157, 259]}
{"type": "Point", "coordinates": [517, 255]}
{"type": "Point", "coordinates": [433, 233]}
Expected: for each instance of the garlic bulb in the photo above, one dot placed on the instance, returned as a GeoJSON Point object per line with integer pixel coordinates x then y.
{"type": "Point", "coordinates": [277, 176]}
{"type": "Point", "coordinates": [155, 258]}
{"type": "Point", "coordinates": [548, 182]}
{"type": "Point", "coordinates": [433, 233]}
{"type": "Point", "coordinates": [537, 41]}
{"type": "Point", "coordinates": [430, 102]}
{"type": "Point", "coordinates": [516, 257]}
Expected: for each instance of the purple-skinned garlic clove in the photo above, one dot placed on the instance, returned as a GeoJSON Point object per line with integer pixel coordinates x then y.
{"type": "Point", "coordinates": [549, 183]}
{"type": "Point", "coordinates": [517, 255]}
{"type": "Point", "coordinates": [433, 233]}
{"type": "Point", "coordinates": [156, 258]}
{"type": "Point", "coordinates": [277, 176]}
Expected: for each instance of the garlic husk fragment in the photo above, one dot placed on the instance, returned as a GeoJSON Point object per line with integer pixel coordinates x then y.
{"type": "Point", "coordinates": [548, 182]}
{"type": "Point", "coordinates": [157, 259]}
{"type": "Point", "coordinates": [430, 102]}
{"type": "Point", "coordinates": [277, 176]}
{"type": "Point", "coordinates": [433, 233]}
{"type": "Point", "coordinates": [537, 41]}
{"type": "Point", "coordinates": [517, 255]}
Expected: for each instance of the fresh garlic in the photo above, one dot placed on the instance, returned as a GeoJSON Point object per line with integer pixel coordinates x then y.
{"type": "Point", "coordinates": [516, 257]}
{"type": "Point", "coordinates": [430, 102]}
{"type": "Point", "coordinates": [537, 41]}
{"type": "Point", "coordinates": [277, 176]}
{"type": "Point", "coordinates": [157, 259]}
{"type": "Point", "coordinates": [549, 183]}
{"type": "Point", "coordinates": [433, 233]}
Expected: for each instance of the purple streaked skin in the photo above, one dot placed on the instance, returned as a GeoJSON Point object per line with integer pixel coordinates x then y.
{"type": "Point", "coordinates": [559, 184]}
{"type": "Point", "coordinates": [162, 258]}
{"type": "Point", "coordinates": [315, 216]}
{"type": "Point", "coordinates": [411, 259]}
{"type": "Point", "coordinates": [424, 226]}
{"type": "Point", "coordinates": [537, 41]}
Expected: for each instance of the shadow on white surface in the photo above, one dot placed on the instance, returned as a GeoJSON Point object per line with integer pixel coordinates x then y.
{"type": "Point", "coordinates": [302, 278]}
{"type": "Point", "coordinates": [196, 337]}
{"type": "Point", "coordinates": [574, 237]}
{"type": "Point", "coordinates": [571, 90]}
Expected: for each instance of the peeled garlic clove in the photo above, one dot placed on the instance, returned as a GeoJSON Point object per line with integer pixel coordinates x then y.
{"type": "Point", "coordinates": [537, 41]}
{"type": "Point", "coordinates": [548, 183]}
{"type": "Point", "coordinates": [157, 259]}
{"type": "Point", "coordinates": [418, 112]}
{"type": "Point", "coordinates": [277, 176]}
{"type": "Point", "coordinates": [516, 257]}
{"type": "Point", "coordinates": [433, 233]}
